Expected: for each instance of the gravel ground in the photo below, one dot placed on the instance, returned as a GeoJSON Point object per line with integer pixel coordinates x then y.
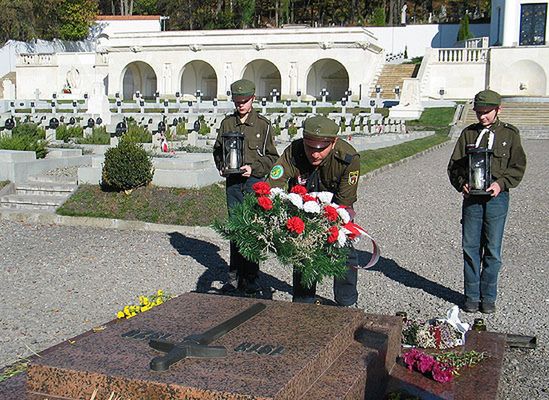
{"type": "Point", "coordinates": [59, 281]}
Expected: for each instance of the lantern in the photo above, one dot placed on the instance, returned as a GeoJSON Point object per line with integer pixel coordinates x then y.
{"type": "Point", "coordinates": [233, 143]}
{"type": "Point", "coordinates": [480, 176]}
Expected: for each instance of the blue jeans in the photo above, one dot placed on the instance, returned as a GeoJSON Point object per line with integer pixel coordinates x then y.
{"type": "Point", "coordinates": [237, 186]}
{"type": "Point", "coordinates": [483, 222]}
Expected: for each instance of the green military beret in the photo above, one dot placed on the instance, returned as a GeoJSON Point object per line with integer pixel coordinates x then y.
{"type": "Point", "coordinates": [486, 100]}
{"type": "Point", "coordinates": [242, 89]}
{"type": "Point", "coordinates": [319, 131]}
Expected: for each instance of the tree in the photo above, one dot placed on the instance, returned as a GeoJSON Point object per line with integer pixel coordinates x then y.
{"type": "Point", "coordinates": [76, 17]}
{"type": "Point", "coordinates": [463, 32]}
{"type": "Point", "coordinates": [16, 20]}
{"type": "Point", "coordinates": [378, 17]}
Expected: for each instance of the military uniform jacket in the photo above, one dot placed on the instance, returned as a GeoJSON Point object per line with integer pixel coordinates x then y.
{"type": "Point", "coordinates": [259, 150]}
{"type": "Point", "coordinates": [338, 173]}
{"type": "Point", "coordinates": [508, 160]}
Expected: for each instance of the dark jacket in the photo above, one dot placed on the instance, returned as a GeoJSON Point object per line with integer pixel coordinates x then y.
{"type": "Point", "coordinates": [508, 160]}
{"type": "Point", "coordinates": [259, 150]}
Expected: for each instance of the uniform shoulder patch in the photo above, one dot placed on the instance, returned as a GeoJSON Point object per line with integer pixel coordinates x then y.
{"type": "Point", "coordinates": [277, 171]}
{"type": "Point", "coordinates": [353, 177]}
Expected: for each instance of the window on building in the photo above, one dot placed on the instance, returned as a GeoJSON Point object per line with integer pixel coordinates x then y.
{"type": "Point", "coordinates": [532, 24]}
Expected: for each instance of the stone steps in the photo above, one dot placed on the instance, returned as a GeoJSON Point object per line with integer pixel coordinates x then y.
{"type": "Point", "coordinates": [526, 116]}
{"type": "Point", "coordinates": [393, 75]}
{"type": "Point", "coordinates": [37, 195]}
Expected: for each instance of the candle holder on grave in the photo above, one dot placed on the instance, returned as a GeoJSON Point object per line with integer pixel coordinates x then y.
{"type": "Point", "coordinates": [480, 175]}
{"type": "Point", "coordinates": [233, 143]}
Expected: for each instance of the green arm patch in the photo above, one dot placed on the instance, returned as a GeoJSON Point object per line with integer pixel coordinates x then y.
{"type": "Point", "coordinates": [277, 171]}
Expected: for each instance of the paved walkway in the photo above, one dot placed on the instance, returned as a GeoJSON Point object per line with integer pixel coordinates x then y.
{"type": "Point", "coordinates": [61, 280]}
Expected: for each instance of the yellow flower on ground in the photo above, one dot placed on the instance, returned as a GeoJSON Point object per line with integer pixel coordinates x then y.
{"type": "Point", "coordinates": [120, 314]}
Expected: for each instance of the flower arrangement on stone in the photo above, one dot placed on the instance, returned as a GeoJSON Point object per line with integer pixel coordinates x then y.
{"type": "Point", "coordinates": [437, 333]}
{"type": "Point", "coordinates": [304, 230]}
{"type": "Point", "coordinates": [145, 304]}
{"type": "Point", "coordinates": [441, 367]}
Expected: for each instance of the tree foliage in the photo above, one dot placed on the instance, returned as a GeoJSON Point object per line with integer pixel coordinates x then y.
{"type": "Point", "coordinates": [70, 19]}
{"type": "Point", "coordinates": [46, 19]}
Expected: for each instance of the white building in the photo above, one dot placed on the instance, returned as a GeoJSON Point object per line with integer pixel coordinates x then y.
{"type": "Point", "coordinates": [513, 61]}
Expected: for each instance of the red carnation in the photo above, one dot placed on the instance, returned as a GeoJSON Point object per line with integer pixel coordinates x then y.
{"type": "Point", "coordinates": [330, 213]}
{"type": "Point", "coordinates": [295, 224]}
{"type": "Point", "coordinates": [265, 203]}
{"type": "Point", "coordinates": [261, 188]}
{"type": "Point", "coordinates": [308, 197]}
{"type": "Point", "coordinates": [334, 233]}
{"type": "Point", "coordinates": [299, 189]}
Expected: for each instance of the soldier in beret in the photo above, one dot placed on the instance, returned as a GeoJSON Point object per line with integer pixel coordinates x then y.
{"type": "Point", "coordinates": [483, 216]}
{"type": "Point", "coordinates": [259, 154]}
{"type": "Point", "coordinates": [322, 162]}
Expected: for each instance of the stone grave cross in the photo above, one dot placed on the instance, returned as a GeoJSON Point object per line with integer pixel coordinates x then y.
{"type": "Point", "coordinates": [196, 346]}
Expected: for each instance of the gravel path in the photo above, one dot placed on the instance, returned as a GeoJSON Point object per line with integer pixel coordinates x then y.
{"type": "Point", "coordinates": [59, 281]}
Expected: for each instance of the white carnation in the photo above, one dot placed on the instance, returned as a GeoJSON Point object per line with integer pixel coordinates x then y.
{"type": "Point", "coordinates": [342, 237]}
{"type": "Point", "coordinates": [296, 200]}
{"type": "Point", "coordinates": [311, 207]}
{"type": "Point", "coordinates": [343, 214]}
{"type": "Point", "coordinates": [278, 192]}
{"type": "Point", "coordinates": [324, 197]}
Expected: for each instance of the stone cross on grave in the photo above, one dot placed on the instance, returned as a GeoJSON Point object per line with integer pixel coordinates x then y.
{"type": "Point", "coordinates": [196, 346]}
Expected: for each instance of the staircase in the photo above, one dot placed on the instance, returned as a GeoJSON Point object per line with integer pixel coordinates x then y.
{"type": "Point", "coordinates": [531, 118]}
{"type": "Point", "coordinates": [40, 193]}
{"type": "Point", "coordinates": [393, 75]}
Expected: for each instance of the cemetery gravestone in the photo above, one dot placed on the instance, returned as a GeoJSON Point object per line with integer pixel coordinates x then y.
{"type": "Point", "coordinates": [277, 351]}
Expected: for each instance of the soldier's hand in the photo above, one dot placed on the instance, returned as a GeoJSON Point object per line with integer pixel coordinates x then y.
{"type": "Point", "coordinates": [494, 189]}
{"type": "Point", "coordinates": [247, 171]}
{"type": "Point", "coordinates": [465, 190]}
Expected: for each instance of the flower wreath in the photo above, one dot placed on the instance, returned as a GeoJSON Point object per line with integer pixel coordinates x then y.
{"type": "Point", "coordinates": [302, 229]}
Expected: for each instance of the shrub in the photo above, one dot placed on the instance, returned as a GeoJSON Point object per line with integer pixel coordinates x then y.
{"type": "Point", "coordinates": [99, 136]}
{"type": "Point", "coordinates": [29, 129]}
{"type": "Point", "coordinates": [25, 143]}
{"type": "Point", "coordinates": [137, 133]}
{"type": "Point", "coordinates": [65, 132]}
{"type": "Point", "coordinates": [126, 166]}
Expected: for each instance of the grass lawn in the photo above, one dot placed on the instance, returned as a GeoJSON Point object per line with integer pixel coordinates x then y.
{"type": "Point", "coordinates": [203, 206]}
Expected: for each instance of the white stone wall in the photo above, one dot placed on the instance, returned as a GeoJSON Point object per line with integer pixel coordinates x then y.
{"type": "Point", "coordinates": [109, 25]}
{"type": "Point", "coordinates": [417, 38]}
{"type": "Point", "coordinates": [48, 74]}
{"type": "Point", "coordinates": [233, 54]}
{"type": "Point", "coordinates": [522, 71]}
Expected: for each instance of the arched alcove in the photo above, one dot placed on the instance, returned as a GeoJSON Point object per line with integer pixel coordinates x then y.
{"type": "Point", "coordinates": [526, 78]}
{"type": "Point", "coordinates": [327, 74]}
{"type": "Point", "coordinates": [199, 75]}
{"type": "Point", "coordinates": [138, 76]}
{"type": "Point", "coordinates": [265, 75]}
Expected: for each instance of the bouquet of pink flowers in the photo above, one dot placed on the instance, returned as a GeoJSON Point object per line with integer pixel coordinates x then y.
{"type": "Point", "coordinates": [305, 230]}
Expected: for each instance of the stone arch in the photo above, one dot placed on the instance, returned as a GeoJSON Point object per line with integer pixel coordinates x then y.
{"type": "Point", "coordinates": [199, 75]}
{"type": "Point", "coordinates": [328, 74]}
{"type": "Point", "coordinates": [265, 75]}
{"type": "Point", "coordinates": [526, 78]}
{"type": "Point", "coordinates": [138, 76]}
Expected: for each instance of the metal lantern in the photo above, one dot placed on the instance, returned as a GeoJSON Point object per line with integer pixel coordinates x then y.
{"type": "Point", "coordinates": [233, 143]}
{"type": "Point", "coordinates": [480, 176]}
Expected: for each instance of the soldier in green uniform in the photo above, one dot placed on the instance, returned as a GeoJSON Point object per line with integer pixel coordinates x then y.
{"type": "Point", "coordinates": [484, 216]}
{"type": "Point", "coordinates": [322, 162]}
{"type": "Point", "coordinates": [259, 154]}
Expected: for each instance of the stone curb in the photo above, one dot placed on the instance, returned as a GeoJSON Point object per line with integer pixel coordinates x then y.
{"type": "Point", "coordinates": [193, 231]}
